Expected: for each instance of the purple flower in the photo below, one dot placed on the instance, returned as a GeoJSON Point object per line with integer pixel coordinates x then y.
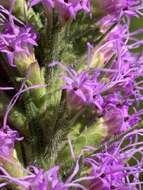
{"type": "Point", "coordinates": [8, 138]}
{"type": "Point", "coordinates": [121, 7]}
{"type": "Point", "coordinates": [65, 8]}
{"type": "Point", "coordinates": [117, 167]}
{"type": "Point", "coordinates": [82, 90]}
{"type": "Point", "coordinates": [109, 98]}
{"type": "Point", "coordinates": [78, 87]}
{"type": "Point", "coordinates": [42, 180]}
{"type": "Point", "coordinates": [112, 90]}
{"type": "Point", "coordinates": [117, 118]}
{"type": "Point", "coordinates": [16, 40]}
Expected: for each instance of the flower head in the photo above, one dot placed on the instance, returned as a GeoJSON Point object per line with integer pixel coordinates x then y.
{"type": "Point", "coordinates": [15, 40]}
{"type": "Point", "coordinates": [117, 167]}
{"type": "Point", "coordinates": [112, 88]}
{"type": "Point", "coordinates": [65, 8]}
{"type": "Point", "coordinates": [39, 179]}
{"type": "Point", "coordinates": [118, 8]}
{"type": "Point", "coordinates": [43, 180]}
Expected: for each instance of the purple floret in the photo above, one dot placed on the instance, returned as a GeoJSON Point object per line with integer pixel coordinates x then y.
{"type": "Point", "coordinates": [112, 90]}
{"type": "Point", "coordinates": [65, 8]}
{"type": "Point", "coordinates": [117, 167]}
{"type": "Point", "coordinates": [8, 137]}
{"type": "Point", "coordinates": [16, 39]}
{"type": "Point", "coordinates": [118, 8]}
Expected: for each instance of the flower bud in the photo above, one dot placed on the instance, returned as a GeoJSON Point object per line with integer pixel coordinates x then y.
{"type": "Point", "coordinates": [113, 120]}
{"type": "Point", "coordinates": [23, 62]}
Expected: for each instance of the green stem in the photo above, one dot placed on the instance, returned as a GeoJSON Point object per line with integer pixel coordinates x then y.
{"type": "Point", "coordinates": [36, 133]}
{"type": "Point", "coordinates": [23, 62]}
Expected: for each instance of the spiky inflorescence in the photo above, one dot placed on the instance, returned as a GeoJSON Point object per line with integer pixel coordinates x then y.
{"type": "Point", "coordinates": [113, 89]}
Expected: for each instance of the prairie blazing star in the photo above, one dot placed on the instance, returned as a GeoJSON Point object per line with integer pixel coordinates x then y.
{"type": "Point", "coordinates": [42, 180]}
{"type": "Point", "coordinates": [81, 89]}
{"type": "Point", "coordinates": [118, 167]}
{"type": "Point", "coordinates": [65, 8]}
{"type": "Point", "coordinates": [17, 40]}
{"type": "Point", "coordinates": [118, 8]}
{"type": "Point", "coordinates": [109, 98]}
{"type": "Point", "coordinates": [112, 89]}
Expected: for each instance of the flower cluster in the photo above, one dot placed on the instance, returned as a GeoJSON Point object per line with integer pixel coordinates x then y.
{"type": "Point", "coordinates": [65, 8]}
{"type": "Point", "coordinates": [110, 85]}
{"type": "Point", "coordinates": [119, 8]}
{"type": "Point", "coordinates": [15, 40]}
{"type": "Point", "coordinates": [109, 169]}
{"type": "Point", "coordinates": [39, 179]}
